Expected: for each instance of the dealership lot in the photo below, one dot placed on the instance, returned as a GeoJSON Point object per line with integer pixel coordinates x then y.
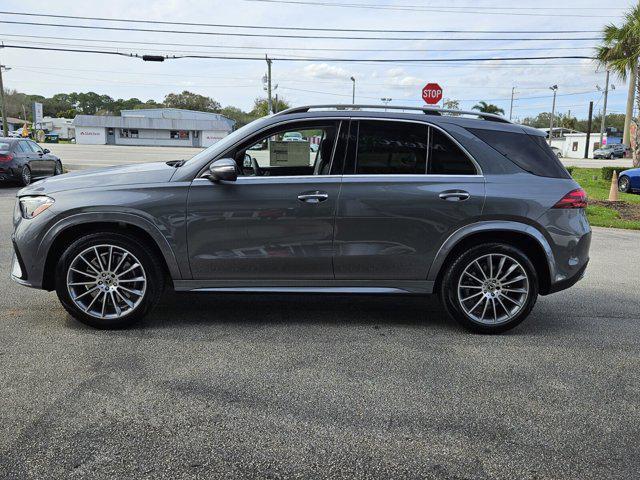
{"type": "Point", "coordinates": [77, 157]}
{"type": "Point", "coordinates": [242, 385]}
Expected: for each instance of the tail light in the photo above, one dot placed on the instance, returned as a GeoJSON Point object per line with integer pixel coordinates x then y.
{"type": "Point", "coordinates": [5, 157]}
{"type": "Point", "coordinates": [574, 199]}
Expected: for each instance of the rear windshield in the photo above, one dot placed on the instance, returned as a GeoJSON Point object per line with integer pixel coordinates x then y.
{"type": "Point", "coordinates": [529, 152]}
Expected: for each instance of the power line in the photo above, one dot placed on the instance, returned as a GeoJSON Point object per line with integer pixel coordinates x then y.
{"type": "Point", "coordinates": [286, 59]}
{"type": "Point", "coordinates": [328, 49]}
{"type": "Point", "coordinates": [419, 8]}
{"type": "Point", "coordinates": [313, 29]}
{"type": "Point", "coordinates": [265, 35]}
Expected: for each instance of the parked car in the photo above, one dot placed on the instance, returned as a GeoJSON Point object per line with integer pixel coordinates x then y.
{"type": "Point", "coordinates": [629, 181]}
{"type": "Point", "coordinates": [476, 210]}
{"type": "Point", "coordinates": [610, 151]}
{"type": "Point", "coordinates": [557, 151]}
{"type": "Point", "coordinates": [23, 160]}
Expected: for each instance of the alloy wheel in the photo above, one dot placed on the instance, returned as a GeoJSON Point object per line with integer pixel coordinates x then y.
{"type": "Point", "coordinates": [106, 281]}
{"type": "Point", "coordinates": [26, 176]}
{"type": "Point", "coordinates": [623, 184]}
{"type": "Point", "coordinates": [493, 289]}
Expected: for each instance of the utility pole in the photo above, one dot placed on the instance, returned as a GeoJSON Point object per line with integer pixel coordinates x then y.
{"type": "Point", "coordinates": [353, 92]}
{"type": "Point", "coordinates": [604, 109]}
{"type": "Point", "coordinates": [275, 105]}
{"type": "Point", "coordinates": [586, 147]}
{"type": "Point", "coordinates": [5, 127]}
{"type": "Point", "coordinates": [553, 111]}
{"type": "Point", "coordinates": [513, 91]}
{"type": "Point", "coordinates": [269, 102]}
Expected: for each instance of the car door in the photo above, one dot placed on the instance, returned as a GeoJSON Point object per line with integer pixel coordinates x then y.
{"type": "Point", "coordinates": [276, 226]}
{"type": "Point", "coordinates": [45, 161]}
{"type": "Point", "coordinates": [407, 187]}
{"type": "Point", "coordinates": [31, 158]}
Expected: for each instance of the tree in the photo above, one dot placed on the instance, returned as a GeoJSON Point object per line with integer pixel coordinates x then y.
{"type": "Point", "coordinates": [234, 113]}
{"type": "Point", "coordinates": [452, 104]}
{"type": "Point", "coordinates": [191, 101]}
{"type": "Point", "coordinates": [485, 107]}
{"type": "Point", "coordinates": [261, 106]}
{"type": "Point", "coordinates": [619, 52]}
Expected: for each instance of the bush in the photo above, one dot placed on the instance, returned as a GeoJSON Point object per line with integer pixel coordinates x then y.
{"type": "Point", "coordinates": [607, 172]}
{"type": "Point", "coordinates": [570, 170]}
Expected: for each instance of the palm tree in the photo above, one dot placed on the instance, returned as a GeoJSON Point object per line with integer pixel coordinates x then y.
{"type": "Point", "coordinates": [619, 53]}
{"type": "Point", "coordinates": [485, 107]}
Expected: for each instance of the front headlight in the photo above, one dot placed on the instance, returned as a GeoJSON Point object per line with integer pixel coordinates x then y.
{"type": "Point", "coordinates": [33, 206]}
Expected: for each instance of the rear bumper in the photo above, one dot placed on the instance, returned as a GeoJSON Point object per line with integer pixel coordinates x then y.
{"type": "Point", "coordinates": [569, 282]}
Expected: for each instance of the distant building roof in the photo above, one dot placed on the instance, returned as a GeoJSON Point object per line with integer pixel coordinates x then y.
{"type": "Point", "coordinates": [15, 121]}
{"type": "Point", "coordinates": [158, 119]}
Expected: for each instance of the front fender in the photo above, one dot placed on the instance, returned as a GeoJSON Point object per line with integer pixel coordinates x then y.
{"type": "Point", "coordinates": [114, 217]}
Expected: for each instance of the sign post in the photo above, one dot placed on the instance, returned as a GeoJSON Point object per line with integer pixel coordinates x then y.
{"type": "Point", "coordinates": [432, 93]}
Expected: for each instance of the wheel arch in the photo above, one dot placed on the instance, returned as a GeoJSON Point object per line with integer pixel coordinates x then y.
{"type": "Point", "coordinates": [525, 237]}
{"type": "Point", "coordinates": [71, 228]}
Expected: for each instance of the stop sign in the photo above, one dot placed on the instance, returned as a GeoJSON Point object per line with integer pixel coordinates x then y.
{"type": "Point", "coordinates": [432, 93]}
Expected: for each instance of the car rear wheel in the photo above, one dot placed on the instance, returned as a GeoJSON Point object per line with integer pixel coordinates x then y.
{"type": "Point", "coordinates": [490, 288]}
{"type": "Point", "coordinates": [58, 168]}
{"type": "Point", "coordinates": [25, 175]}
{"type": "Point", "coordinates": [108, 280]}
{"type": "Point", "coordinates": [624, 185]}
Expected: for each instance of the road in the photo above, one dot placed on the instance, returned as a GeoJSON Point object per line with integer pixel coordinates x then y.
{"type": "Point", "coordinates": [91, 156]}
{"type": "Point", "coordinates": [253, 386]}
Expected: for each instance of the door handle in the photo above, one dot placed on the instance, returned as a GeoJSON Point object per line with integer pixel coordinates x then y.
{"type": "Point", "coordinates": [454, 195]}
{"type": "Point", "coordinates": [313, 197]}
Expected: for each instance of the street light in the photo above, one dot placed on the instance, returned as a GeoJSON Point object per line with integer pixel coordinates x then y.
{"type": "Point", "coordinates": [386, 101]}
{"type": "Point", "coordinates": [353, 91]}
{"type": "Point", "coordinates": [554, 88]}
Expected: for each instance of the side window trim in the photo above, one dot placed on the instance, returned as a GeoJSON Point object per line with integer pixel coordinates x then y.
{"type": "Point", "coordinates": [429, 126]}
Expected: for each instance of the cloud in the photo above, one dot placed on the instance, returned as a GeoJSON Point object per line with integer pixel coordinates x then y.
{"type": "Point", "coordinates": [324, 70]}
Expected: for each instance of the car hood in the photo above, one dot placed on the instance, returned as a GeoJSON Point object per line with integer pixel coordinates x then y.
{"type": "Point", "coordinates": [135, 174]}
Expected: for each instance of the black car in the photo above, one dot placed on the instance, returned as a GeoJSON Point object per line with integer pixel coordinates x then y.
{"type": "Point", "coordinates": [23, 160]}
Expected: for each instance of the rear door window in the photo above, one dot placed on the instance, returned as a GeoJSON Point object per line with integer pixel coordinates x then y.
{"type": "Point", "coordinates": [529, 152]}
{"type": "Point", "coordinates": [391, 148]}
{"type": "Point", "coordinates": [446, 158]}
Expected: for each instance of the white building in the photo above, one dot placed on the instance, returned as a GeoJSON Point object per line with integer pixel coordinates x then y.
{"type": "Point", "coordinates": [171, 127]}
{"type": "Point", "coordinates": [61, 126]}
{"type": "Point", "coordinates": [573, 144]}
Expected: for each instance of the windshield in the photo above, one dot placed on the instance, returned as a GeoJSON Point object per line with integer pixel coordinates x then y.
{"type": "Point", "coordinates": [228, 141]}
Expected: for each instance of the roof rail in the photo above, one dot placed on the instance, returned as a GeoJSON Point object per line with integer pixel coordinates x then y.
{"type": "Point", "coordinates": [425, 110]}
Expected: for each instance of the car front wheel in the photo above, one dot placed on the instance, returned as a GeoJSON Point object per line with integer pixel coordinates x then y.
{"type": "Point", "coordinates": [25, 176]}
{"type": "Point", "coordinates": [108, 280]}
{"type": "Point", "coordinates": [490, 288]}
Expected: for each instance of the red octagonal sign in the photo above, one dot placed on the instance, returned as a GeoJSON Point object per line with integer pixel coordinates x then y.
{"type": "Point", "coordinates": [432, 93]}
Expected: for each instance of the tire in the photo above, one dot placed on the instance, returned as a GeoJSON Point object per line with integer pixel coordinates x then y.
{"type": "Point", "coordinates": [624, 185]}
{"type": "Point", "coordinates": [99, 299]}
{"type": "Point", "coordinates": [25, 176]}
{"type": "Point", "coordinates": [58, 169]}
{"type": "Point", "coordinates": [511, 305]}
{"type": "Point", "coordinates": [612, 156]}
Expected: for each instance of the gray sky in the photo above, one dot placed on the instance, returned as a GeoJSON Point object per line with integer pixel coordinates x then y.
{"type": "Point", "coordinates": [238, 82]}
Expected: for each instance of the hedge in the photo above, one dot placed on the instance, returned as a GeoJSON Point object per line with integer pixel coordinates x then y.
{"type": "Point", "coordinates": [607, 172]}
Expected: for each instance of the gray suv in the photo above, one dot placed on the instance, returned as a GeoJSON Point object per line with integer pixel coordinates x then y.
{"type": "Point", "coordinates": [406, 201]}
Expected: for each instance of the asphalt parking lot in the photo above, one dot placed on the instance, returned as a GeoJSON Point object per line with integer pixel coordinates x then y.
{"type": "Point", "coordinates": [251, 386]}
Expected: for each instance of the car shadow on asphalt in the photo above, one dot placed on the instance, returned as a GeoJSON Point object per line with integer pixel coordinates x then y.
{"type": "Point", "coordinates": [245, 309]}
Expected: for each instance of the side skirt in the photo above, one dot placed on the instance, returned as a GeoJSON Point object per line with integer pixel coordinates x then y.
{"type": "Point", "coordinates": [299, 286]}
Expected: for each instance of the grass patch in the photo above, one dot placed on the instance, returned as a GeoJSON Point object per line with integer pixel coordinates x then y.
{"type": "Point", "coordinates": [622, 214]}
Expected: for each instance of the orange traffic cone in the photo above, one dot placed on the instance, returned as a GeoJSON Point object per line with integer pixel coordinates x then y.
{"type": "Point", "coordinates": [613, 191]}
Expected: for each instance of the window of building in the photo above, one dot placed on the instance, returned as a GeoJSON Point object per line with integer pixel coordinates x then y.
{"type": "Point", "coordinates": [574, 147]}
{"type": "Point", "coordinates": [179, 134]}
{"type": "Point", "coordinates": [446, 158]}
{"type": "Point", "coordinates": [128, 133]}
{"type": "Point", "coordinates": [386, 148]}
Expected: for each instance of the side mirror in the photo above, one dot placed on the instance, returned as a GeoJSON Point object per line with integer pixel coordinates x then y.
{"type": "Point", "coordinates": [223, 169]}
{"type": "Point", "coordinates": [46, 150]}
